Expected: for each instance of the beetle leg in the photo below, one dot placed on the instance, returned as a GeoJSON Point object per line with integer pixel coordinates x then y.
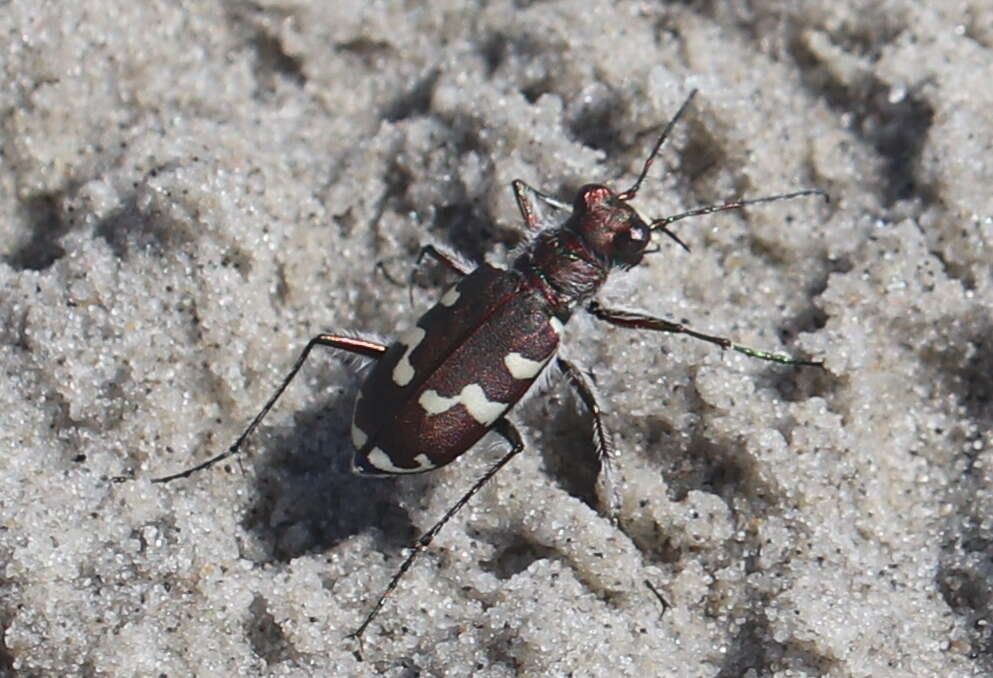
{"type": "Point", "coordinates": [512, 436]}
{"type": "Point", "coordinates": [529, 201]}
{"type": "Point", "coordinates": [362, 347]}
{"type": "Point", "coordinates": [444, 256]}
{"type": "Point", "coordinates": [452, 261]}
{"type": "Point", "coordinates": [646, 322]}
{"type": "Point", "coordinates": [601, 436]}
{"type": "Point", "coordinates": [662, 601]}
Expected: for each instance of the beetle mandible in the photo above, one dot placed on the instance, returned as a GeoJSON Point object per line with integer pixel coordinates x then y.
{"type": "Point", "coordinates": [451, 378]}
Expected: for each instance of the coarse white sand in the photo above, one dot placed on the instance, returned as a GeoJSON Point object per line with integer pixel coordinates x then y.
{"type": "Point", "coordinates": [190, 191]}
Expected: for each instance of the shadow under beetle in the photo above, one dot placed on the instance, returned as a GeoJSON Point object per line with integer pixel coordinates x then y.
{"type": "Point", "coordinates": [453, 377]}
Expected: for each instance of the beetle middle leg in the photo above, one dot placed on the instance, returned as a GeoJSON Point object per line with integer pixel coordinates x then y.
{"type": "Point", "coordinates": [641, 321]}
{"type": "Point", "coordinates": [447, 258]}
{"type": "Point", "coordinates": [361, 347]}
{"type": "Point", "coordinates": [512, 436]}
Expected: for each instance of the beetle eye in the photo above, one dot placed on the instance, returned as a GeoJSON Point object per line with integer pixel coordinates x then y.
{"type": "Point", "coordinates": [630, 243]}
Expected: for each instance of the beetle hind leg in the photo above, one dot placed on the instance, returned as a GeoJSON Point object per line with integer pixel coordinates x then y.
{"type": "Point", "coordinates": [361, 347]}
{"type": "Point", "coordinates": [512, 436]}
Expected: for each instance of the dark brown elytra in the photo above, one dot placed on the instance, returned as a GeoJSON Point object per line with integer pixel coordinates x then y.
{"type": "Point", "coordinates": [454, 376]}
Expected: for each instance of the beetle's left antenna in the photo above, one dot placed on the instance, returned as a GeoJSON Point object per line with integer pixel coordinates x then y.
{"type": "Point", "coordinates": [631, 192]}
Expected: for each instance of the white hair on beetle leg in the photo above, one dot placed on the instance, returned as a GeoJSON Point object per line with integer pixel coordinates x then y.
{"type": "Point", "coordinates": [605, 455]}
{"type": "Point", "coordinates": [494, 443]}
{"type": "Point", "coordinates": [461, 260]}
{"type": "Point", "coordinates": [355, 362]}
{"type": "Point", "coordinates": [543, 382]}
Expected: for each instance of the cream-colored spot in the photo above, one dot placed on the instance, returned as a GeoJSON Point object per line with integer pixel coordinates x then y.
{"type": "Point", "coordinates": [451, 296]}
{"type": "Point", "coordinates": [433, 403]}
{"type": "Point", "coordinates": [480, 408]}
{"type": "Point", "coordinates": [403, 373]}
{"type": "Point", "coordinates": [380, 460]}
{"type": "Point", "coordinates": [359, 438]}
{"type": "Point", "coordinates": [556, 325]}
{"type": "Point", "coordinates": [521, 367]}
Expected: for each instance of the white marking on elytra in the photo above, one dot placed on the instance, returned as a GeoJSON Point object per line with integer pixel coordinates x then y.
{"type": "Point", "coordinates": [451, 296]}
{"type": "Point", "coordinates": [359, 437]}
{"type": "Point", "coordinates": [521, 367]}
{"type": "Point", "coordinates": [403, 373]}
{"type": "Point", "coordinates": [433, 403]}
{"type": "Point", "coordinates": [380, 460]}
{"type": "Point", "coordinates": [480, 408]}
{"type": "Point", "coordinates": [556, 325]}
{"type": "Point", "coordinates": [541, 383]}
{"type": "Point", "coordinates": [423, 463]}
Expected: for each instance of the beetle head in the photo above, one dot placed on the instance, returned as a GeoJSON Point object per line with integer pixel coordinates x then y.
{"type": "Point", "coordinates": [615, 231]}
{"type": "Point", "coordinates": [611, 227]}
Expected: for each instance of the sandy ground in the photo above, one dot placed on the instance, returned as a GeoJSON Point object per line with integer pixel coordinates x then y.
{"type": "Point", "coordinates": [189, 192]}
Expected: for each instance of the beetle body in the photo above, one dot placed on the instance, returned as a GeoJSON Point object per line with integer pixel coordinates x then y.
{"type": "Point", "coordinates": [454, 376]}
{"type": "Point", "coordinates": [440, 387]}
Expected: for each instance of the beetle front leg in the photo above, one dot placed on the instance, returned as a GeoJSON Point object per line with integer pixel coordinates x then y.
{"type": "Point", "coordinates": [512, 436]}
{"type": "Point", "coordinates": [362, 347]}
{"type": "Point", "coordinates": [529, 201]}
{"type": "Point", "coordinates": [601, 436]}
{"type": "Point", "coordinates": [646, 322]}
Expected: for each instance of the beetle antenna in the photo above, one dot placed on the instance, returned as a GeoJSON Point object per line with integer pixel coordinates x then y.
{"type": "Point", "coordinates": [631, 192]}
{"type": "Point", "coordinates": [662, 223]}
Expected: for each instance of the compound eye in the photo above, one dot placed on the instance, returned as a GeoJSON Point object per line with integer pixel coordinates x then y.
{"type": "Point", "coordinates": [630, 243]}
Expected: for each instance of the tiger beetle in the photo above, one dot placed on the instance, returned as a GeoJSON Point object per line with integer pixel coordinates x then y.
{"type": "Point", "coordinates": [454, 376]}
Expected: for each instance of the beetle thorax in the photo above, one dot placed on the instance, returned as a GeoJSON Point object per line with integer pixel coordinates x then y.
{"type": "Point", "coordinates": [571, 263]}
{"type": "Point", "coordinates": [562, 264]}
